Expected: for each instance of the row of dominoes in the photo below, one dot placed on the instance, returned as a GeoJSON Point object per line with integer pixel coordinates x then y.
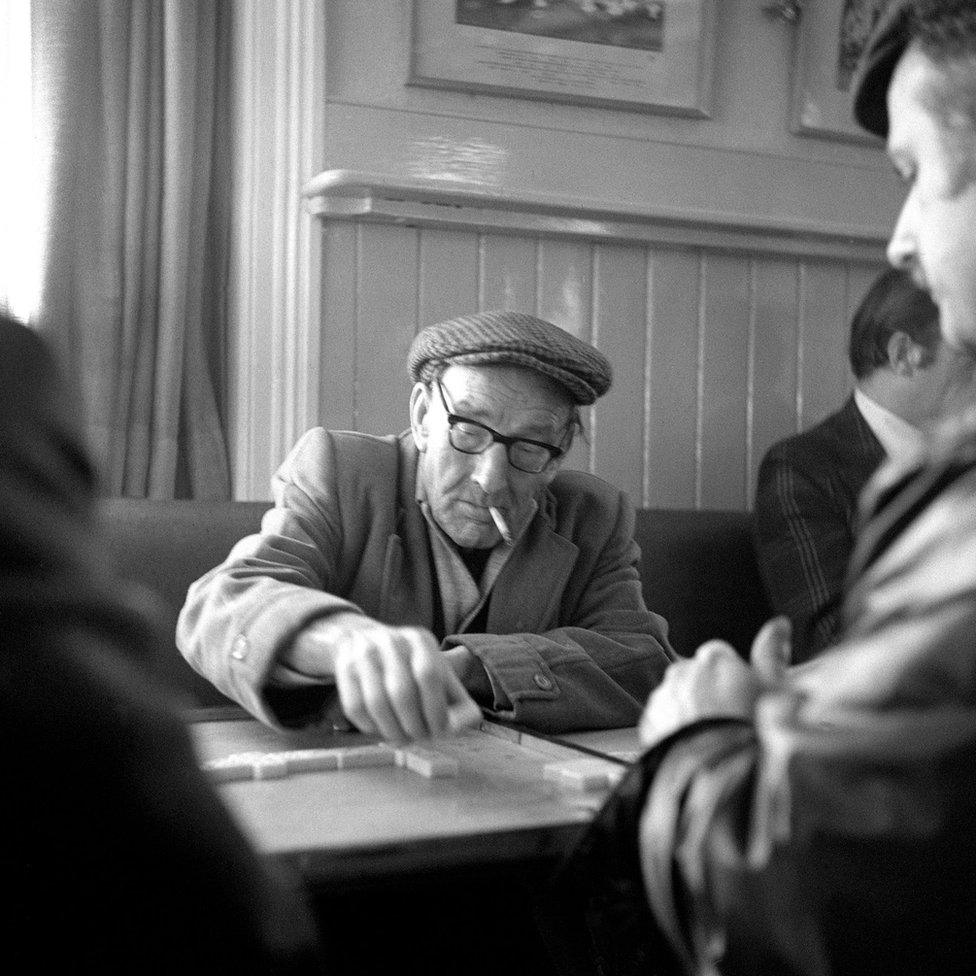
{"type": "Point", "coordinates": [277, 765]}
{"type": "Point", "coordinates": [586, 775]}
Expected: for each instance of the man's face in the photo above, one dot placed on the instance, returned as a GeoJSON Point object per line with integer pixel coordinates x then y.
{"type": "Point", "coordinates": [935, 236]}
{"type": "Point", "coordinates": [512, 401]}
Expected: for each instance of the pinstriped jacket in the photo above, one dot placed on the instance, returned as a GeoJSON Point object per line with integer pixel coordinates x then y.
{"type": "Point", "coordinates": [805, 520]}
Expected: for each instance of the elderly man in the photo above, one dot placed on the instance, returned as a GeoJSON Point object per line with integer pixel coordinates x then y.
{"type": "Point", "coordinates": [398, 578]}
{"type": "Point", "coordinates": [820, 819]}
{"type": "Point", "coordinates": [805, 516]}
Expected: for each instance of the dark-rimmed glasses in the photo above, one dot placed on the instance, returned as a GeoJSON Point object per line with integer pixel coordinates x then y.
{"type": "Point", "coordinates": [472, 437]}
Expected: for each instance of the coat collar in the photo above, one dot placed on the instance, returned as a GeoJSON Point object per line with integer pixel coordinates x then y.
{"type": "Point", "coordinates": [526, 589]}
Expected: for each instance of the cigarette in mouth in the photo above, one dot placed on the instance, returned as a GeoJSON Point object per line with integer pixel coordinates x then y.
{"type": "Point", "coordinates": [501, 525]}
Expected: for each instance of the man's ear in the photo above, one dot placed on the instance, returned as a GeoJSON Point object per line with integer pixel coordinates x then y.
{"type": "Point", "coordinates": [419, 408]}
{"type": "Point", "coordinates": [905, 355]}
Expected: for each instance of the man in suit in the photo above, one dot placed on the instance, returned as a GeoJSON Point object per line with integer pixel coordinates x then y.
{"type": "Point", "coordinates": [820, 818]}
{"type": "Point", "coordinates": [399, 578]}
{"type": "Point", "coordinates": [809, 484]}
{"type": "Point", "coordinates": [118, 855]}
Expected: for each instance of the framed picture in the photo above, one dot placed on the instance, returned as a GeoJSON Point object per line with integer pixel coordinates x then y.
{"type": "Point", "coordinates": [643, 55]}
{"type": "Point", "coordinates": [831, 37]}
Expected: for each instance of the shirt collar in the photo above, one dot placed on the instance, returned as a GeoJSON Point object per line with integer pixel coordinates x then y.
{"type": "Point", "coordinates": [897, 436]}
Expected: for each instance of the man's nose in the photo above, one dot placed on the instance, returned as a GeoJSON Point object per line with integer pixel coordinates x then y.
{"type": "Point", "coordinates": [491, 470]}
{"type": "Point", "coordinates": [901, 248]}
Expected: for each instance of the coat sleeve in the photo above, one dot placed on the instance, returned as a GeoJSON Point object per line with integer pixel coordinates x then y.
{"type": "Point", "coordinates": [240, 617]}
{"type": "Point", "coordinates": [803, 540]}
{"type": "Point", "coordinates": [834, 834]}
{"type": "Point", "coordinates": [597, 667]}
{"type": "Point", "coordinates": [811, 849]}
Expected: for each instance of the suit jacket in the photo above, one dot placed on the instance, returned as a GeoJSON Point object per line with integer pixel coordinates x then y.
{"type": "Point", "coordinates": [804, 521]}
{"type": "Point", "coordinates": [834, 833]}
{"type": "Point", "coordinates": [569, 643]}
{"type": "Point", "coordinates": [119, 855]}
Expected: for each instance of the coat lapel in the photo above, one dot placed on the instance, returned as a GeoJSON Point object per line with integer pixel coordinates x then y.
{"type": "Point", "coordinates": [407, 589]}
{"type": "Point", "coordinates": [526, 594]}
{"type": "Point", "coordinates": [529, 587]}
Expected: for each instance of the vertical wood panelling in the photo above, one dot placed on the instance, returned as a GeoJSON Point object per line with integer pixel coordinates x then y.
{"type": "Point", "coordinates": [774, 370]}
{"type": "Point", "coordinates": [825, 379]}
{"type": "Point", "coordinates": [337, 378]}
{"type": "Point", "coordinates": [507, 272]}
{"type": "Point", "coordinates": [725, 375]}
{"type": "Point", "coordinates": [448, 275]}
{"type": "Point", "coordinates": [565, 286]}
{"type": "Point", "coordinates": [671, 379]}
{"type": "Point", "coordinates": [620, 332]}
{"type": "Point", "coordinates": [387, 311]}
{"type": "Point", "coordinates": [715, 355]}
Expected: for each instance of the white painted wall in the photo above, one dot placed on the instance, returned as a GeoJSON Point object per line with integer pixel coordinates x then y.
{"type": "Point", "coordinates": [742, 164]}
{"type": "Point", "coordinates": [321, 86]}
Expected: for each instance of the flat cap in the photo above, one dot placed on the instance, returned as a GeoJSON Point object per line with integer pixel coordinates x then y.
{"type": "Point", "coordinates": [517, 339]}
{"type": "Point", "coordinates": [885, 46]}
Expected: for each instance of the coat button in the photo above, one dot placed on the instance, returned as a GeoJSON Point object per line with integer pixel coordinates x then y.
{"type": "Point", "coordinates": [542, 681]}
{"type": "Point", "coordinates": [240, 648]}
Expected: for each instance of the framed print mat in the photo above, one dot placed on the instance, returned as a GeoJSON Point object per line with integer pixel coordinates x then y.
{"type": "Point", "coordinates": [643, 55]}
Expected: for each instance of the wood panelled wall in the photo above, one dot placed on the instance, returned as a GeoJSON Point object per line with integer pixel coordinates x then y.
{"type": "Point", "coordinates": [717, 351]}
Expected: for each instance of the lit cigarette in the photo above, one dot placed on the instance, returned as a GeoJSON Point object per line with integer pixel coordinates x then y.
{"type": "Point", "coordinates": [501, 525]}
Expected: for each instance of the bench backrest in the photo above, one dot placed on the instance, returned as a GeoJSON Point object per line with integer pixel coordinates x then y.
{"type": "Point", "coordinates": [697, 568]}
{"type": "Point", "coordinates": [699, 571]}
{"type": "Point", "coordinates": [166, 546]}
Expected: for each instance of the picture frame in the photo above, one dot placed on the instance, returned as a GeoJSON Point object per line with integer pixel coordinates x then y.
{"type": "Point", "coordinates": [830, 38]}
{"type": "Point", "coordinates": [642, 55]}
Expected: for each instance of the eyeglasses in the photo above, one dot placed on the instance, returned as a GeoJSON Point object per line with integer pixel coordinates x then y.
{"type": "Point", "coordinates": [472, 437]}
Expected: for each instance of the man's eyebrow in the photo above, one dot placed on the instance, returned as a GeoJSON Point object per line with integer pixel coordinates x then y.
{"type": "Point", "coordinates": [466, 408]}
{"type": "Point", "coordinates": [551, 424]}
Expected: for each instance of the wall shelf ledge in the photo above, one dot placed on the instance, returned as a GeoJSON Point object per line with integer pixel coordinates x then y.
{"type": "Point", "coordinates": [340, 194]}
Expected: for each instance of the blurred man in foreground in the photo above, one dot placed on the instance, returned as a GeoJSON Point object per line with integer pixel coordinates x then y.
{"type": "Point", "coordinates": [118, 855]}
{"type": "Point", "coordinates": [820, 819]}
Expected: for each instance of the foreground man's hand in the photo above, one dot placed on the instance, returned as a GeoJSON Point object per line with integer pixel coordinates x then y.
{"type": "Point", "coordinates": [716, 683]}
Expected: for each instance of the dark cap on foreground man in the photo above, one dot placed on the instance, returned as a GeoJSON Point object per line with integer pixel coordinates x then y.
{"type": "Point", "coordinates": [886, 45]}
{"type": "Point", "coordinates": [820, 819]}
{"type": "Point", "coordinates": [402, 582]}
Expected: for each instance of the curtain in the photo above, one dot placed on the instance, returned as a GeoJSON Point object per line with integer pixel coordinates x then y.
{"type": "Point", "coordinates": [130, 104]}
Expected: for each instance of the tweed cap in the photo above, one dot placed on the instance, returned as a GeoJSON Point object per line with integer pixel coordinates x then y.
{"type": "Point", "coordinates": [882, 52]}
{"type": "Point", "coordinates": [517, 339]}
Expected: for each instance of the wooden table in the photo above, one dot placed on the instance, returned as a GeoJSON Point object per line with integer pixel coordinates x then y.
{"type": "Point", "coordinates": [619, 744]}
{"type": "Point", "coordinates": [412, 874]}
{"type": "Point", "coordinates": [360, 826]}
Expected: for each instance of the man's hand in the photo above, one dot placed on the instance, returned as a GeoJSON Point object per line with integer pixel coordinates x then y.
{"type": "Point", "coordinates": [392, 681]}
{"type": "Point", "coordinates": [716, 683]}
